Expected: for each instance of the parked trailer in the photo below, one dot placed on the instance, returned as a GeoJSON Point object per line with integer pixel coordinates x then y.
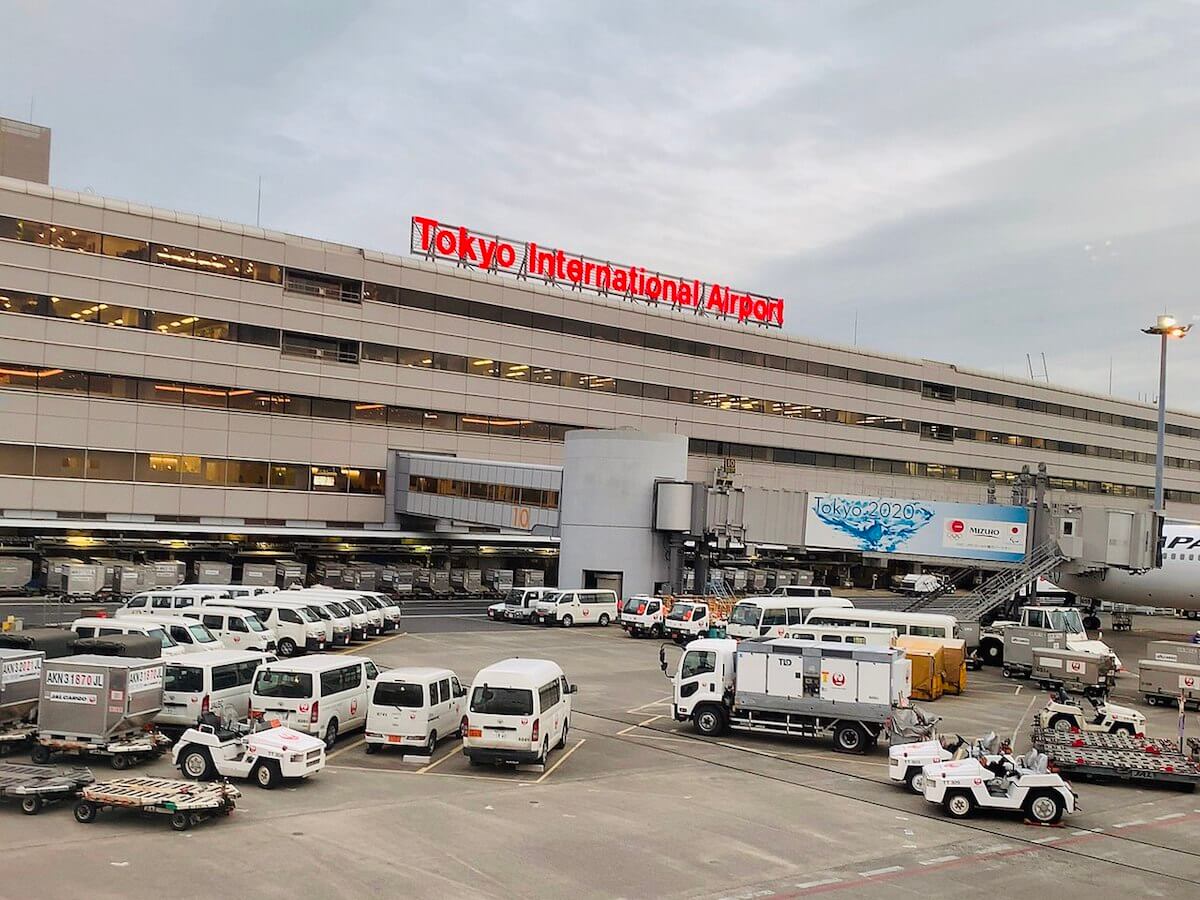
{"type": "Point", "coordinates": [102, 705]}
{"type": "Point", "coordinates": [186, 802]}
{"type": "Point", "coordinates": [1091, 674]}
{"type": "Point", "coordinates": [36, 786]}
{"type": "Point", "coordinates": [16, 575]}
{"type": "Point", "coordinates": [1119, 757]}
{"type": "Point", "coordinates": [1163, 682]}
{"type": "Point", "coordinates": [1020, 644]}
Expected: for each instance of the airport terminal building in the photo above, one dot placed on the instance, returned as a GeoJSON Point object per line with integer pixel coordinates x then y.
{"type": "Point", "coordinates": [172, 375]}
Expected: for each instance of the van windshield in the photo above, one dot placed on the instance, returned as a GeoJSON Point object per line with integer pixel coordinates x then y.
{"type": "Point", "coordinates": [319, 612]}
{"type": "Point", "coordinates": [286, 685]}
{"type": "Point", "coordinates": [353, 606]}
{"type": "Point", "coordinates": [396, 693]}
{"type": "Point", "coordinates": [254, 623]}
{"type": "Point", "coordinates": [183, 678]}
{"type": "Point", "coordinates": [201, 634]}
{"type": "Point", "coordinates": [163, 638]}
{"type": "Point", "coordinates": [339, 611]}
{"type": "Point", "coordinates": [680, 611]}
{"type": "Point", "coordinates": [514, 597]}
{"type": "Point", "coordinates": [307, 615]}
{"type": "Point", "coordinates": [631, 605]}
{"type": "Point", "coordinates": [745, 614]}
{"type": "Point", "coordinates": [499, 701]}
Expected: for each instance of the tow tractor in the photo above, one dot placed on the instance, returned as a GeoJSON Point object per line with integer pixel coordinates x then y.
{"type": "Point", "coordinates": [1005, 783]}
{"type": "Point", "coordinates": [228, 749]}
{"type": "Point", "coordinates": [1063, 713]}
{"type": "Point", "coordinates": [907, 762]}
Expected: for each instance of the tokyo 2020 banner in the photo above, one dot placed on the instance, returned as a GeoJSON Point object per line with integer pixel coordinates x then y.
{"type": "Point", "coordinates": [918, 527]}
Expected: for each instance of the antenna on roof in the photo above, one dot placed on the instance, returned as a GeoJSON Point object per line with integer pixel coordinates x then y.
{"type": "Point", "coordinates": [258, 212]}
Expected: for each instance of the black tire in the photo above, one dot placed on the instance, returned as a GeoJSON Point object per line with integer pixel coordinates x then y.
{"type": "Point", "coordinates": [849, 737]}
{"type": "Point", "coordinates": [372, 749]}
{"type": "Point", "coordinates": [567, 621]}
{"type": "Point", "coordinates": [562, 741]}
{"type": "Point", "coordinates": [196, 763]}
{"type": "Point", "coordinates": [1007, 672]}
{"type": "Point", "coordinates": [5, 749]}
{"type": "Point", "coordinates": [914, 779]}
{"type": "Point", "coordinates": [121, 761]}
{"type": "Point", "coordinates": [1122, 728]}
{"type": "Point", "coordinates": [462, 727]}
{"type": "Point", "coordinates": [604, 620]}
{"type": "Point", "coordinates": [431, 744]}
{"type": "Point", "coordinates": [181, 821]}
{"type": "Point", "coordinates": [331, 734]}
{"type": "Point", "coordinates": [656, 632]}
{"type": "Point", "coordinates": [993, 652]}
{"type": "Point", "coordinates": [40, 754]}
{"type": "Point", "coordinates": [31, 806]}
{"type": "Point", "coordinates": [1062, 724]}
{"type": "Point", "coordinates": [1091, 623]}
{"type": "Point", "coordinates": [267, 775]}
{"type": "Point", "coordinates": [545, 758]}
{"type": "Point", "coordinates": [710, 720]}
{"type": "Point", "coordinates": [471, 760]}
{"type": "Point", "coordinates": [85, 812]}
{"type": "Point", "coordinates": [286, 647]}
{"type": "Point", "coordinates": [959, 804]}
{"type": "Point", "coordinates": [1151, 700]}
{"type": "Point", "coordinates": [1045, 808]}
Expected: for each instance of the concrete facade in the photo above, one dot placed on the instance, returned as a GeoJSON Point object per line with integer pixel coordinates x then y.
{"type": "Point", "coordinates": [24, 151]}
{"type": "Point", "coordinates": [163, 367]}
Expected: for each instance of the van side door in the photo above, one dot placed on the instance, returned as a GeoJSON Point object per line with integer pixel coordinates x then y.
{"type": "Point", "coordinates": [354, 682]}
{"type": "Point", "coordinates": [446, 722]}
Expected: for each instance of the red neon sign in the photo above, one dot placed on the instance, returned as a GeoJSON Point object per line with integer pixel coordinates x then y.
{"type": "Point", "coordinates": [528, 260]}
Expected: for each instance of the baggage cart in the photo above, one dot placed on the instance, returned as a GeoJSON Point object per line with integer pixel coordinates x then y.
{"type": "Point", "coordinates": [1119, 757]}
{"type": "Point", "coordinates": [1091, 674]}
{"type": "Point", "coordinates": [186, 802]}
{"type": "Point", "coordinates": [439, 582]}
{"type": "Point", "coordinates": [466, 581]}
{"type": "Point", "coordinates": [1162, 682]}
{"type": "Point", "coordinates": [529, 578]}
{"type": "Point", "coordinates": [1122, 621]}
{"type": "Point", "coordinates": [169, 572]}
{"type": "Point", "coordinates": [35, 786]}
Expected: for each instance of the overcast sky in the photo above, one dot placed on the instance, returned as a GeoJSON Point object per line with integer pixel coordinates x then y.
{"type": "Point", "coordinates": [972, 181]}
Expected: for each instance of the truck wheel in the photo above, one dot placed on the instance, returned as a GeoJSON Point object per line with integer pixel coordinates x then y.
{"type": "Point", "coordinates": [567, 621]}
{"type": "Point", "coordinates": [85, 811]}
{"type": "Point", "coordinates": [286, 647]}
{"type": "Point", "coordinates": [656, 632]}
{"type": "Point", "coordinates": [562, 741]}
{"type": "Point", "coordinates": [710, 720]}
{"type": "Point", "coordinates": [1045, 808]}
{"type": "Point", "coordinates": [40, 754]}
{"type": "Point", "coordinates": [959, 804]}
{"type": "Point", "coordinates": [331, 734]}
{"type": "Point", "coordinates": [1151, 700]}
{"type": "Point", "coordinates": [31, 806]}
{"type": "Point", "coordinates": [121, 761]}
{"type": "Point", "coordinates": [431, 744]}
{"type": "Point", "coordinates": [267, 775]}
{"type": "Point", "coordinates": [1062, 724]}
{"type": "Point", "coordinates": [1091, 623]}
{"type": "Point", "coordinates": [604, 620]}
{"type": "Point", "coordinates": [1122, 728]}
{"type": "Point", "coordinates": [372, 749]}
{"type": "Point", "coordinates": [915, 779]}
{"type": "Point", "coordinates": [849, 737]}
{"type": "Point", "coordinates": [462, 728]}
{"type": "Point", "coordinates": [181, 821]}
{"type": "Point", "coordinates": [993, 652]}
{"type": "Point", "coordinates": [195, 763]}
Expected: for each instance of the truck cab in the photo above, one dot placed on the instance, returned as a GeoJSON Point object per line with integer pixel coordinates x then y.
{"type": "Point", "coordinates": [1066, 619]}
{"type": "Point", "coordinates": [687, 620]}
{"type": "Point", "coordinates": [702, 681]}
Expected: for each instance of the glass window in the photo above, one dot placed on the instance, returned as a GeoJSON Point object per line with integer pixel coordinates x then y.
{"type": "Point", "coordinates": [186, 679]}
{"type": "Point", "coordinates": [543, 376]}
{"type": "Point", "coordinates": [109, 465]}
{"type": "Point", "coordinates": [246, 473]}
{"type": "Point", "coordinates": [498, 701]}
{"type": "Point", "coordinates": [286, 685]}
{"type": "Point", "coordinates": [381, 293]}
{"type": "Point", "coordinates": [365, 481]}
{"type": "Point", "coordinates": [403, 416]}
{"type": "Point", "coordinates": [197, 395]}
{"type": "Point", "coordinates": [449, 362]}
{"type": "Point", "coordinates": [125, 248]}
{"type": "Point", "coordinates": [369, 412]}
{"type": "Point", "coordinates": [629, 388]}
{"type": "Point", "coordinates": [16, 459]}
{"type": "Point", "coordinates": [414, 359]}
{"type": "Point", "coordinates": [575, 380]}
{"type": "Point", "coordinates": [170, 323]}
{"type": "Point", "coordinates": [330, 409]}
{"type": "Point", "coordinates": [440, 421]}
{"type": "Point", "coordinates": [213, 329]}
{"type": "Point", "coordinates": [63, 380]}
{"type": "Point", "coordinates": [157, 467]}
{"type": "Point", "coordinates": [400, 694]}
{"type": "Point", "coordinates": [328, 480]}
{"type": "Point", "coordinates": [378, 352]}
{"type": "Point", "coordinates": [18, 377]}
{"type": "Point", "coordinates": [59, 462]}
{"type": "Point", "coordinates": [121, 316]}
{"type": "Point", "coordinates": [251, 401]}
{"type": "Point", "coordinates": [160, 392]}
{"type": "Point", "coordinates": [78, 310]}
{"type": "Point", "coordinates": [514, 371]}
{"type": "Point", "coordinates": [64, 238]}
{"type": "Point", "coordinates": [698, 662]}
{"type": "Point", "coordinates": [202, 470]}
{"type": "Point", "coordinates": [21, 302]}
{"type": "Point", "coordinates": [257, 270]}
{"type": "Point", "coordinates": [480, 366]}
{"type": "Point", "coordinates": [475, 424]}
{"type": "Point", "coordinates": [256, 334]}
{"type": "Point", "coordinates": [285, 477]}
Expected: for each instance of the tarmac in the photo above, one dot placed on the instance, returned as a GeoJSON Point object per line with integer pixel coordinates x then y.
{"type": "Point", "coordinates": [636, 805]}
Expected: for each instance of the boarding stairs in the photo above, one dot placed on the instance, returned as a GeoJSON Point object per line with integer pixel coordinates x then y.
{"type": "Point", "coordinates": [949, 585]}
{"type": "Point", "coordinates": [716, 588]}
{"type": "Point", "coordinates": [996, 591]}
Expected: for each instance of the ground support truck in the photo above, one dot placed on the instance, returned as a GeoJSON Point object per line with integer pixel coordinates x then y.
{"type": "Point", "coordinates": [1119, 757]}
{"type": "Point", "coordinates": [790, 687]}
{"type": "Point", "coordinates": [993, 640]}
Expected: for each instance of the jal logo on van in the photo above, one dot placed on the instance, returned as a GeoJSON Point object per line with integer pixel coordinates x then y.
{"type": "Point", "coordinates": [303, 707]}
{"type": "Point", "coordinates": [1188, 681]}
{"type": "Point", "coordinates": [353, 707]}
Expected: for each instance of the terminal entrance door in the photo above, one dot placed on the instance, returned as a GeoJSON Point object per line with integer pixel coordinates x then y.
{"type": "Point", "coordinates": [610, 581]}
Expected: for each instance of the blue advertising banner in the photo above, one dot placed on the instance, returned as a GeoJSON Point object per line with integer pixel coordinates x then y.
{"type": "Point", "coordinates": [918, 527]}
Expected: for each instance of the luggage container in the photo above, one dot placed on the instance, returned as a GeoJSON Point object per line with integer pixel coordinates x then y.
{"type": "Point", "coordinates": [259, 574]}
{"type": "Point", "coordinates": [927, 681]}
{"type": "Point", "coordinates": [439, 582]}
{"type": "Point", "coordinates": [529, 578]}
{"type": "Point", "coordinates": [397, 580]}
{"type": "Point", "coordinates": [99, 704]}
{"type": "Point", "coordinates": [169, 572]}
{"type": "Point", "coordinates": [1174, 651]}
{"type": "Point", "coordinates": [331, 574]}
{"type": "Point", "coordinates": [735, 580]}
{"type": "Point", "coordinates": [1160, 681]}
{"type": "Point", "coordinates": [289, 572]}
{"type": "Point", "coordinates": [423, 581]}
{"type": "Point", "coordinates": [16, 575]}
{"type": "Point", "coordinates": [1019, 644]}
{"type": "Point", "coordinates": [756, 581]}
{"type": "Point", "coordinates": [363, 576]}
{"type": "Point", "coordinates": [498, 581]}
{"type": "Point", "coordinates": [214, 572]}
{"type": "Point", "coordinates": [53, 642]}
{"type": "Point", "coordinates": [1091, 674]}
{"type": "Point", "coordinates": [20, 684]}
{"type": "Point", "coordinates": [950, 655]}
{"type": "Point", "coordinates": [52, 568]}
{"type": "Point", "coordinates": [466, 581]}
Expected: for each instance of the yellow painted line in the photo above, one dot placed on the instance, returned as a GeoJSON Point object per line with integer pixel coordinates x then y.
{"type": "Point", "coordinates": [341, 750]}
{"type": "Point", "coordinates": [437, 763]}
{"type": "Point", "coordinates": [372, 645]}
{"type": "Point", "coordinates": [638, 725]}
{"type": "Point", "coordinates": [562, 759]}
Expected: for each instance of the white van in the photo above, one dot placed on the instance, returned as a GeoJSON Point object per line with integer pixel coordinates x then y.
{"type": "Point", "coordinates": [518, 710]}
{"type": "Point", "coordinates": [238, 629]}
{"type": "Point", "coordinates": [319, 695]}
{"type": "Point", "coordinates": [296, 627]}
{"type": "Point", "coordinates": [334, 616]}
{"type": "Point", "coordinates": [237, 591]}
{"type": "Point", "coordinates": [577, 607]}
{"type": "Point", "coordinates": [192, 636]}
{"type": "Point", "coordinates": [687, 620]}
{"type": "Point", "coordinates": [642, 614]}
{"type": "Point", "coordinates": [169, 601]}
{"type": "Point", "coordinates": [519, 603]}
{"type": "Point", "coordinates": [388, 607]}
{"type": "Point", "coordinates": [802, 590]}
{"type": "Point", "coordinates": [100, 626]}
{"type": "Point", "coordinates": [931, 625]}
{"type": "Point", "coordinates": [415, 707]}
{"type": "Point", "coordinates": [219, 682]}
{"type": "Point", "coordinates": [837, 634]}
{"type": "Point", "coordinates": [770, 616]}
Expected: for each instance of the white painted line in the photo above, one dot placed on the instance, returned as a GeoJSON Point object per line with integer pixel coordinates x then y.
{"type": "Point", "coordinates": [1045, 840]}
{"type": "Point", "coordinates": [625, 731]}
{"type": "Point", "coordinates": [1018, 690]}
{"type": "Point", "coordinates": [873, 872]}
{"type": "Point", "coordinates": [1086, 831]}
{"type": "Point", "coordinates": [1130, 824]}
{"type": "Point", "coordinates": [660, 702]}
{"type": "Point", "coordinates": [821, 883]}
{"type": "Point", "coordinates": [998, 848]}
{"type": "Point", "coordinates": [938, 860]}
{"type": "Point", "coordinates": [562, 759]}
{"type": "Point", "coordinates": [1169, 816]}
{"type": "Point", "coordinates": [1021, 721]}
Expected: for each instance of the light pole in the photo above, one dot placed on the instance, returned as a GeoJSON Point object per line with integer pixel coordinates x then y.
{"type": "Point", "coordinates": [1166, 327]}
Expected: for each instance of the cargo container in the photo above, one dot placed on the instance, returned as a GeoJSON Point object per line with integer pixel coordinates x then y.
{"type": "Point", "coordinates": [439, 582]}
{"type": "Point", "coordinates": [466, 581]}
{"type": "Point", "coordinates": [99, 704]}
{"type": "Point", "coordinates": [529, 578]}
{"type": "Point", "coordinates": [214, 572]}
{"type": "Point", "coordinates": [330, 573]}
{"type": "Point", "coordinates": [20, 683]}
{"type": "Point", "coordinates": [16, 575]}
{"type": "Point", "coordinates": [169, 572]}
{"type": "Point", "coordinates": [1174, 651]}
{"type": "Point", "coordinates": [1160, 681]}
{"type": "Point", "coordinates": [756, 581]}
{"type": "Point", "coordinates": [397, 580]}
{"type": "Point", "coordinates": [498, 581]}
{"type": "Point", "coordinates": [1019, 644]}
{"type": "Point", "coordinates": [53, 579]}
{"type": "Point", "coordinates": [258, 574]}
{"type": "Point", "coordinates": [289, 572]}
{"type": "Point", "coordinates": [53, 642]}
{"type": "Point", "coordinates": [365, 576]}
{"type": "Point", "coordinates": [1091, 674]}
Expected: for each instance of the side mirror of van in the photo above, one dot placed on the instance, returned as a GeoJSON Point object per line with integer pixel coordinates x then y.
{"type": "Point", "coordinates": [572, 689]}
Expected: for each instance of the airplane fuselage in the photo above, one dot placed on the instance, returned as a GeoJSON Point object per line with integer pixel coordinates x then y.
{"type": "Point", "coordinates": [1175, 585]}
